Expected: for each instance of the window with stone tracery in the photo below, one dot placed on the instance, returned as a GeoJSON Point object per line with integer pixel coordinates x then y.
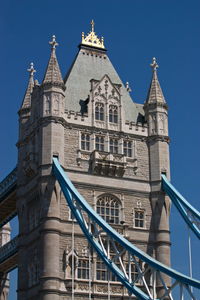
{"type": "Point", "coordinates": [109, 208]}
{"type": "Point", "coordinates": [99, 143]}
{"type": "Point", "coordinates": [113, 114]}
{"type": "Point", "coordinates": [128, 148]}
{"type": "Point", "coordinates": [114, 146]}
{"type": "Point", "coordinates": [102, 272]}
{"type": "Point", "coordinates": [83, 269]}
{"type": "Point", "coordinates": [99, 111]}
{"type": "Point", "coordinates": [85, 141]}
{"type": "Point", "coordinates": [139, 218]}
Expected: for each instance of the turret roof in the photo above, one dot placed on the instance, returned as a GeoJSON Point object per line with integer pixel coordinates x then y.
{"type": "Point", "coordinates": [27, 97]}
{"type": "Point", "coordinates": [155, 93]}
{"type": "Point", "coordinates": [53, 73]}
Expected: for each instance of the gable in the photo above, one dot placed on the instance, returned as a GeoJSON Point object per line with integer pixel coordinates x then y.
{"type": "Point", "coordinates": [93, 65]}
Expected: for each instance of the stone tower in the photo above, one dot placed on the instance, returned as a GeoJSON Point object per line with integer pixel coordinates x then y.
{"type": "Point", "coordinates": [113, 150]}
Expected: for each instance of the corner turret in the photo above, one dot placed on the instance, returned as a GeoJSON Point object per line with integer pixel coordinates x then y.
{"type": "Point", "coordinates": [156, 114]}
{"type": "Point", "coordinates": [52, 106]}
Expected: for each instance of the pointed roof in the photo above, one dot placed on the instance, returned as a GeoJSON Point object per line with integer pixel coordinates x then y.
{"type": "Point", "coordinates": [155, 93]}
{"type": "Point", "coordinates": [53, 74]}
{"type": "Point", "coordinates": [93, 63]}
{"type": "Point", "coordinates": [27, 97]}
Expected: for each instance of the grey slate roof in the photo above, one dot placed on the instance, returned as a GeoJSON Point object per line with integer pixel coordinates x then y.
{"type": "Point", "coordinates": [86, 67]}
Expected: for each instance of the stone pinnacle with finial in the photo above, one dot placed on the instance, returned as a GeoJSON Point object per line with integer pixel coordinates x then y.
{"type": "Point", "coordinates": [154, 64]}
{"type": "Point", "coordinates": [31, 70]}
{"type": "Point", "coordinates": [53, 43]}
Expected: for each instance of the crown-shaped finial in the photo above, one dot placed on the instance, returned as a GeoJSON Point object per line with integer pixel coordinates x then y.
{"type": "Point", "coordinates": [31, 70]}
{"type": "Point", "coordinates": [154, 64]}
{"type": "Point", "coordinates": [92, 39]}
{"type": "Point", "coordinates": [53, 42]}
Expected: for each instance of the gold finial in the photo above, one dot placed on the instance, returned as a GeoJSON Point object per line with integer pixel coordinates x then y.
{"type": "Point", "coordinates": [31, 70]}
{"type": "Point", "coordinates": [92, 39]}
{"type": "Point", "coordinates": [154, 64]}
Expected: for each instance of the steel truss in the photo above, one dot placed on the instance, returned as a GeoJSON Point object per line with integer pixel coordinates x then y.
{"type": "Point", "coordinates": [187, 211]}
{"type": "Point", "coordinates": [117, 253]}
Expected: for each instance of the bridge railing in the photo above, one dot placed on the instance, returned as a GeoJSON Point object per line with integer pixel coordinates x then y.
{"type": "Point", "coordinates": [8, 249]}
{"type": "Point", "coordinates": [8, 183]}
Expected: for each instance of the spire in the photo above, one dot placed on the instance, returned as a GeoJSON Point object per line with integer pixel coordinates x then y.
{"type": "Point", "coordinates": [92, 39]}
{"type": "Point", "coordinates": [27, 97]}
{"type": "Point", "coordinates": [53, 74]}
{"type": "Point", "coordinates": [155, 93]}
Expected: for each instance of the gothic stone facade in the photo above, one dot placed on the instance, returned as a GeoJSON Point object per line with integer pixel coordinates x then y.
{"type": "Point", "coordinates": [113, 150]}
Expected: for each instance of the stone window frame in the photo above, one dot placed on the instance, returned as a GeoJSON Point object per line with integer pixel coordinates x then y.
{"type": "Point", "coordinates": [85, 142]}
{"type": "Point", "coordinates": [114, 145]}
{"type": "Point", "coordinates": [100, 143]}
{"type": "Point", "coordinates": [113, 114]}
{"type": "Point", "coordinates": [108, 213]}
{"type": "Point", "coordinates": [83, 268]}
{"type": "Point", "coordinates": [141, 221]}
{"type": "Point", "coordinates": [128, 147]}
{"type": "Point", "coordinates": [99, 111]}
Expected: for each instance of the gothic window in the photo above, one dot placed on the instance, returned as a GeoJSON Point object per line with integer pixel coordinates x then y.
{"type": "Point", "coordinates": [99, 111]}
{"type": "Point", "coordinates": [113, 145]}
{"type": "Point", "coordinates": [113, 114]}
{"type": "Point", "coordinates": [139, 221]}
{"type": "Point", "coordinates": [101, 270]}
{"type": "Point", "coordinates": [102, 273]}
{"type": "Point", "coordinates": [83, 269]}
{"type": "Point", "coordinates": [99, 143]}
{"type": "Point", "coordinates": [85, 141]}
{"type": "Point", "coordinates": [109, 208]}
{"type": "Point", "coordinates": [128, 148]}
{"type": "Point", "coordinates": [133, 271]}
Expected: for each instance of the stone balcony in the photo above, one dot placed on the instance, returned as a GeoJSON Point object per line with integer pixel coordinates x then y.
{"type": "Point", "coordinates": [108, 164]}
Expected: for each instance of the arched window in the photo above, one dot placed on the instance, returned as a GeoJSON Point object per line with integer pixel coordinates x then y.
{"type": "Point", "coordinates": [109, 208]}
{"type": "Point", "coordinates": [99, 111]}
{"type": "Point", "coordinates": [113, 114]}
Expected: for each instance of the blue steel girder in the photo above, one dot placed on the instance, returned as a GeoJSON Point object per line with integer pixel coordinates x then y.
{"type": "Point", "coordinates": [8, 184]}
{"type": "Point", "coordinates": [8, 208]}
{"type": "Point", "coordinates": [102, 237]}
{"type": "Point", "coordinates": [7, 252]}
{"type": "Point", "coordinates": [190, 215]}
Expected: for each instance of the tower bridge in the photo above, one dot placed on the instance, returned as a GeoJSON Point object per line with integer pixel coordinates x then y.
{"type": "Point", "coordinates": [91, 188]}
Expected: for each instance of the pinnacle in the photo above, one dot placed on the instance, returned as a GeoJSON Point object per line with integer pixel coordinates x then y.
{"type": "Point", "coordinates": [155, 93]}
{"type": "Point", "coordinates": [27, 97]}
{"type": "Point", "coordinates": [53, 74]}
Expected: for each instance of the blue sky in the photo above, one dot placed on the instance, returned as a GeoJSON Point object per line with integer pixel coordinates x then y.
{"type": "Point", "coordinates": [134, 32]}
